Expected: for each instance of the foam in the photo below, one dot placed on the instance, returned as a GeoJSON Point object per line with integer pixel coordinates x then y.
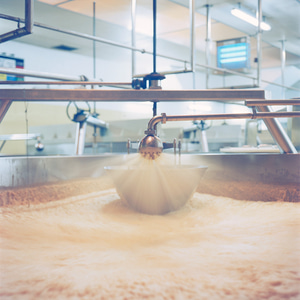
{"type": "Point", "coordinates": [94, 246]}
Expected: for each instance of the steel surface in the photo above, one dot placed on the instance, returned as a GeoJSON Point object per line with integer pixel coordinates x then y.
{"type": "Point", "coordinates": [264, 168]}
{"type": "Point", "coordinates": [128, 95]}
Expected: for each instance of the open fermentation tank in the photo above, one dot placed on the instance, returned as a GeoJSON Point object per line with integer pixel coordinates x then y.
{"type": "Point", "coordinates": [262, 177]}
{"type": "Point", "coordinates": [65, 232]}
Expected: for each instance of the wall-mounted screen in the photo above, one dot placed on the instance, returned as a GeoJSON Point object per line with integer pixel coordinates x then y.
{"type": "Point", "coordinates": [234, 54]}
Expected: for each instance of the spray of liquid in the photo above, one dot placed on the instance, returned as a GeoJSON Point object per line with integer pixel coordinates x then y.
{"type": "Point", "coordinates": [155, 186]}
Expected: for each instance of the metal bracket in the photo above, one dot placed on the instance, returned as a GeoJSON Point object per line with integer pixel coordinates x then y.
{"type": "Point", "coordinates": [27, 29]}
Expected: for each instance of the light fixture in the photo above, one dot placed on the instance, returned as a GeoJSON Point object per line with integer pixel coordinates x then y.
{"type": "Point", "coordinates": [249, 18]}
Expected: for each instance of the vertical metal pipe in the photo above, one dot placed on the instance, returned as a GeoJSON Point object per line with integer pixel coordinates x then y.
{"type": "Point", "coordinates": [278, 133]}
{"type": "Point", "coordinates": [289, 108]}
{"type": "Point", "coordinates": [192, 39]}
{"type": "Point", "coordinates": [192, 33]}
{"type": "Point", "coordinates": [80, 138]}
{"type": "Point", "coordinates": [154, 108]}
{"type": "Point", "coordinates": [94, 42]}
{"type": "Point", "coordinates": [94, 73]}
{"type": "Point", "coordinates": [283, 59]}
{"type": "Point", "coordinates": [154, 36]}
{"type": "Point", "coordinates": [29, 16]}
{"type": "Point", "coordinates": [258, 45]}
{"type": "Point", "coordinates": [27, 29]}
{"type": "Point", "coordinates": [94, 48]}
{"type": "Point", "coordinates": [154, 52]}
{"type": "Point", "coordinates": [203, 140]}
{"type": "Point", "coordinates": [133, 41]}
{"type": "Point", "coordinates": [128, 146]}
{"type": "Point", "coordinates": [208, 40]}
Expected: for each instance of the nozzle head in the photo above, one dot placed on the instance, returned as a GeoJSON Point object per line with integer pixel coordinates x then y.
{"type": "Point", "coordinates": [150, 146]}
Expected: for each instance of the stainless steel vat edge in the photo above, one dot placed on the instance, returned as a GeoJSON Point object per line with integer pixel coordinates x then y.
{"type": "Point", "coordinates": [21, 171]}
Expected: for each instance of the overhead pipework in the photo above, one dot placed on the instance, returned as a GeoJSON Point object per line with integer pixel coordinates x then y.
{"type": "Point", "coordinates": [151, 146]}
{"type": "Point", "coordinates": [29, 24]}
{"type": "Point", "coordinates": [84, 117]}
{"type": "Point", "coordinates": [22, 137]}
{"type": "Point", "coordinates": [27, 29]}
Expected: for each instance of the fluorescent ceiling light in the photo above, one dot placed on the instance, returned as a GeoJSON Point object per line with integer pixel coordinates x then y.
{"type": "Point", "coordinates": [250, 19]}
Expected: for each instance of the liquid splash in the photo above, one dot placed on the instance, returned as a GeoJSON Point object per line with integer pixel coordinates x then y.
{"type": "Point", "coordinates": [155, 186]}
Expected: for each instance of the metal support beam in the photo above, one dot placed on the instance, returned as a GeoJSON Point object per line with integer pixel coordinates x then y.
{"type": "Point", "coordinates": [151, 95]}
{"type": "Point", "coordinates": [272, 102]}
{"type": "Point", "coordinates": [277, 132]}
{"type": "Point", "coordinates": [27, 29]}
{"type": "Point", "coordinates": [4, 106]}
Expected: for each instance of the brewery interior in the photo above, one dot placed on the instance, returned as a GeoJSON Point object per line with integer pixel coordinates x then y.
{"type": "Point", "coordinates": [121, 116]}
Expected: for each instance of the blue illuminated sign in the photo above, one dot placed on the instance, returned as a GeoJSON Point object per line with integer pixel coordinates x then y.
{"type": "Point", "coordinates": [233, 54]}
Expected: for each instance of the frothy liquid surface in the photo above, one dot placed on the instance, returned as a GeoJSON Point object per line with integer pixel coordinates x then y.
{"type": "Point", "coordinates": [96, 247]}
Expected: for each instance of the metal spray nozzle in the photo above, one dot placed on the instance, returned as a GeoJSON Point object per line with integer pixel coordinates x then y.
{"type": "Point", "coordinates": [150, 146]}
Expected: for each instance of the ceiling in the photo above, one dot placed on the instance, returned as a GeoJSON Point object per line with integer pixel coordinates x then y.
{"type": "Point", "coordinates": [113, 22]}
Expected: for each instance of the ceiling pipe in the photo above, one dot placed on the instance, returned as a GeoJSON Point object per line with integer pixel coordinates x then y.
{"type": "Point", "coordinates": [29, 15]}
{"type": "Point", "coordinates": [163, 118]}
{"type": "Point", "coordinates": [154, 35]}
{"type": "Point", "coordinates": [279, 135]}
{"type": "Point", "coordinates": [27, 29]}
{"type": "Point", "coordinates": [283, 60]}
{"type": "Point", "coordinates": [45, 75]}
{"type": "Point", "coordinates": [192, 40]}
{"type": "Point", "coordinates": [37, 74]}
{"type": "Point", "coordinates": [74, 33]}
{"type": "Point", "coordinates": [258, 43]}
{"type": "Point", "coordinates": [208, 42]}
{"type": "Point", "coordinates": [133, 39]}
{"type": "Point", "coordinates": [272, 102]}
{"type": "Point", "coordinates": [84, 83]}
{"type": "Point", "coordinates": [94, 42]}
{"type": "Point", "coordinates": [97, 39]}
